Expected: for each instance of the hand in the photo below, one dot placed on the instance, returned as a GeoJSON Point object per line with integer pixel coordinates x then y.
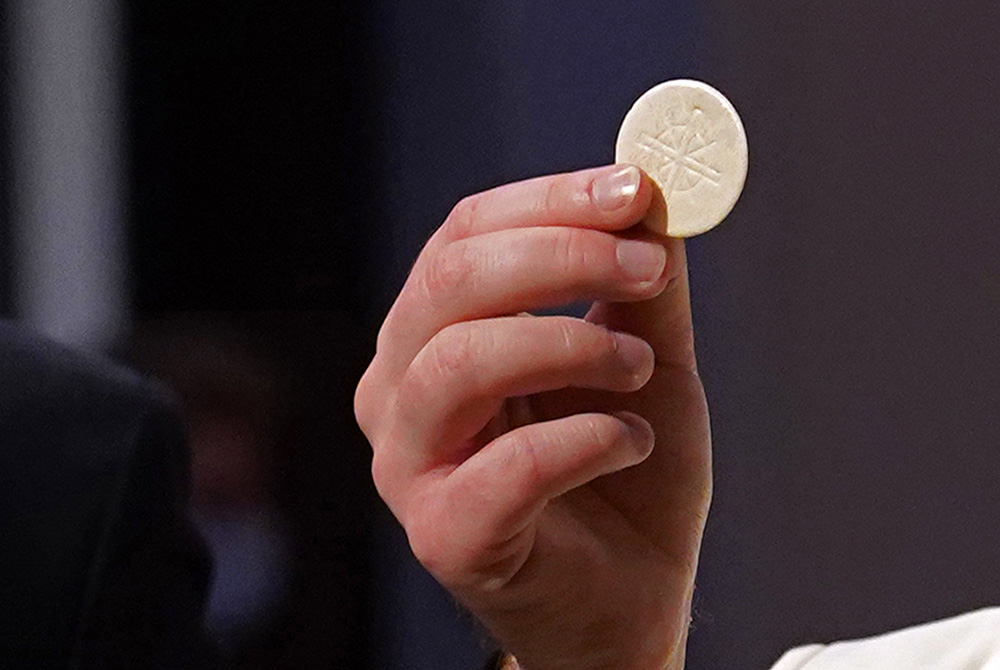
{"type": "Point", "coordinates": [518, 451]}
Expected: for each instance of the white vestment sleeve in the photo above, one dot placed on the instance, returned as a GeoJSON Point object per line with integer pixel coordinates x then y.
{"type": "Point", "coordinates": [967, 642]}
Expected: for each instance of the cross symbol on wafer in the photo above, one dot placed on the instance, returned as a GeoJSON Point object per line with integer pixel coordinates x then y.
{"type": "Point", "coordinates": [689, 139]}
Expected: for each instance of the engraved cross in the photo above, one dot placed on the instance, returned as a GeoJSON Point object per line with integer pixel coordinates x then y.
{"type": "Point", "coordinates": [680, 157]}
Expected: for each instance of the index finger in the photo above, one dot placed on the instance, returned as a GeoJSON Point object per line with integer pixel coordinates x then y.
{"type": "Point", "coordinates": [611, 198]}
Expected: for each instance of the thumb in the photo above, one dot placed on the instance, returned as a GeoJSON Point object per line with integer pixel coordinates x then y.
{"type": "Point", "coordinates": [664, 321]}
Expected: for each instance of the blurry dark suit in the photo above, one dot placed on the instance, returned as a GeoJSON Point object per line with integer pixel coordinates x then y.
{"type": "Point", "coordinates": [99, 566]}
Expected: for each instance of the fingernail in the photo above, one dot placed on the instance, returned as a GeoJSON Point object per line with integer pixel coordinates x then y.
{"type": "Point", "coordinates": [643, 261]}
{"type": "Point", "coordinates": [613, 190]}
{"type": "Point", "coordinates": [645, 437]}
{"type": "Point", "coordinates": [632, 351]}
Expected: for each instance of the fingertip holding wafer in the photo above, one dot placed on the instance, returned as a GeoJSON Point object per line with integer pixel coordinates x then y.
{"type": "Point", "coordinates": [689, 139]}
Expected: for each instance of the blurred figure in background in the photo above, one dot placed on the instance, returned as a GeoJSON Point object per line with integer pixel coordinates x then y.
{"type": "Point", "coordinates": [231, 398]}
{"type": "Point", "coordinates": [100, 566]}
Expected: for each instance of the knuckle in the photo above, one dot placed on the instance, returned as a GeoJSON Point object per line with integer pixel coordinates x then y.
{"type": "Point", "coordinates": [428, 543]}
{"type": "Point", "coordinates": [423, 545]}
{"type": "Point", "coordinates": [450, 354]}
{"type": "Point", "coordinates": [587, 344]}
{"type": "Point", "coordinates": [605, 348]}
{"type": "Point", "coordinates": [363, 404]}
{"type": "Point", "coordinates": [445, 272]}
{"type": "Point", "coordinates": [602, 429]}
{"type": "Point", "coordinates": [383, 337]}
{"type": "Point", "coordinates": [462, 554]}
{"type": "Point", "coordinates": [454, 350]}
{"type": "Point", "coordinates": [462, 218]}
{"type": "Point", "coordinates": [386, 332]}
{"type": "Point", "coordinates": [553, 197]}
{"type": "Point", "coordinates": [564, 196]}
{"type": "Point", "coordinates": [567, 335]}
{"type": "Point", "coordinates": [461, 562]}
{"type": "Point", "coordinates": [584, 254]}
{"type": "Point", "coordinates": [525, 454]}
{"type": "Point", "coordinates": [572, 251]}
{"type": "Point", "coordinates": [381, 475]}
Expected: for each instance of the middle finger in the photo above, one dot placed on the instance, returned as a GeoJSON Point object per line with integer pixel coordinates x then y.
{"type": "Point", "coordinates": [509, 271]}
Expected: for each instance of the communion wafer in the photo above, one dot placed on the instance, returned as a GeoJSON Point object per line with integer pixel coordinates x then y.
{"type": "Point", "coordinates": [688, 137]}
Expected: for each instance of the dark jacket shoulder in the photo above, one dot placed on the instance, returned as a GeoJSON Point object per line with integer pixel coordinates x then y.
{"type": "Point", "coordinates": [57, 404]}
{"type": "Point", "coordinates": [99, 566]}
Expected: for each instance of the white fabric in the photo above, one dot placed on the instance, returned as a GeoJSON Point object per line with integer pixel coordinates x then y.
{"type": "Point", "coordinates": [967, 642]}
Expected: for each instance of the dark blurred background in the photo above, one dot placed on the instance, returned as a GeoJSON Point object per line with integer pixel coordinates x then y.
{"type": "Point", "coordinates": [228, 195]}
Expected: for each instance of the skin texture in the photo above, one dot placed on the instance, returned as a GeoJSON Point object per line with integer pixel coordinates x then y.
{"type": "Point", "coordinates": [553, 473]}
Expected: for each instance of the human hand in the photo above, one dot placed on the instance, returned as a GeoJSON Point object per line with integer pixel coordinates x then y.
{"type": "Point", "coordinates": [518, 451]}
